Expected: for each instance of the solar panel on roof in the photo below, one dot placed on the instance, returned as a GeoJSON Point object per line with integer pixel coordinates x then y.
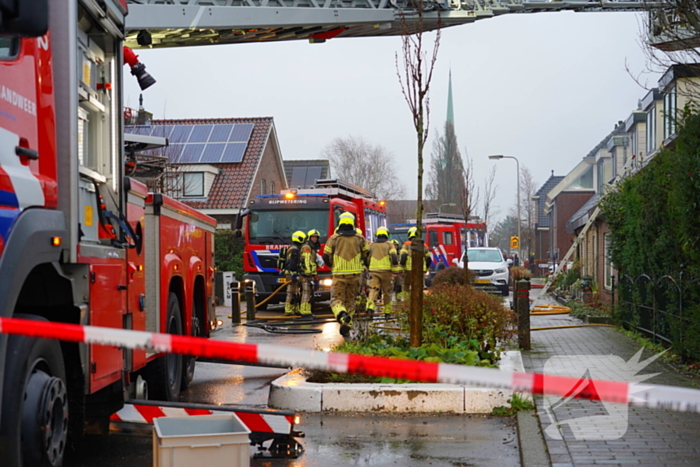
{"type": "Point", "coordinates": [212, 153]}
{"type": "Point", "coordinates": [312, 174]}
{"type": "Point", "coordinates": [143, 130]}
{"type": "Point", "coordinates": [234, 152]}
{"type": "Point", "coordinates": [220, 133]}
{"type": "Point", "coordinates": [181, 133]}
{"type": "Point", "coordinates": [241, 132]}
{"type": "Point", "coordinates": [200, 133]}
{"type": "Point", "coordinates": [298, 177]}
{"type": "Point", "coordinates": [162, 130]}
{"type": "Point", "coordinates": [191, 153]}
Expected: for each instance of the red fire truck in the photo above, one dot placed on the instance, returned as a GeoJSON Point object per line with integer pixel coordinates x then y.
{"type": "Point", "coordinates": [447, 236]}
{"type": "Point", "coordinates": [270, 221]}
{"type": "Point", "coordinates": [80, 242]}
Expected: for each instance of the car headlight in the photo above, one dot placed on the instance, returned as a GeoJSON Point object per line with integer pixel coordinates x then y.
{"type": "Point", "coordinates": [500, 271]}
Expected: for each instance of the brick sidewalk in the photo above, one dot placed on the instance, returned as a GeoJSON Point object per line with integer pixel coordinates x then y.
{"type": "Point", "coordinates": [652, 437]}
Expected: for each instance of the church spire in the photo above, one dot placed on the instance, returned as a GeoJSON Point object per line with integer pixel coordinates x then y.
{"type": "Point", "coordinates": [450, 111]}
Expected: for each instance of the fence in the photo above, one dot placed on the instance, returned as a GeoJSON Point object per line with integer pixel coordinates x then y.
{"type": "Point", "coordinates": [666, 309]}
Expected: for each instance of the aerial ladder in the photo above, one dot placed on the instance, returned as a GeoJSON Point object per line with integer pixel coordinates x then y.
{"type": "Point", "coordinates": [178, 23]}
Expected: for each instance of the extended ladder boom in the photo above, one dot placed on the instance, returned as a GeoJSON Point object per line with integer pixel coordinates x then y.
{"type": "Point", "coordinates": [177, 23]}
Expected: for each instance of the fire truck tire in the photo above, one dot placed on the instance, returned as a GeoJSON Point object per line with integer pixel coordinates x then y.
{"type": "Point", "coordinates": [188, 363]}
{"type": "Point", "coordinates": [164, 374]}
{"type": "Point", "coordinates": [35, 402]}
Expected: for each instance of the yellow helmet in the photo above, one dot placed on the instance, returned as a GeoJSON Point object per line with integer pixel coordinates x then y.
{"type": "Point", "coordinates": [382, 231]}
{"type": "Point", "coordinates": [299, 237]}
{"type": "Point", "coordinates": [313, 232]}
{"type": "Point", "coordinates": [346, 221]}
{"type": "Point", "coordinates": [347, 215]}
{"type": "Point", "coordinates": [394, 241]}
{"type": "Point", "coordinates": [359, 232]}
{"type": "Point", "coordinates": [412, 232]}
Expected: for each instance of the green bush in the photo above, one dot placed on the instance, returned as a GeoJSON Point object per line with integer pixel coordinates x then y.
{"type": "Point", "coordinates": [453, 276]}
{"type": "Point", "coordinates": [228, 252]}
{"type": "Point", "coordinates": [453, 313]}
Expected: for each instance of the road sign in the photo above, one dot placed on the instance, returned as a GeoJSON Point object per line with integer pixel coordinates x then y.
{"type": "Point", "coordinates": [514, 243]}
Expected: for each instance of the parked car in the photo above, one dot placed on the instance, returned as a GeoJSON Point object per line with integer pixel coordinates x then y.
{"type": "Point", "coordinates": [490, 268]}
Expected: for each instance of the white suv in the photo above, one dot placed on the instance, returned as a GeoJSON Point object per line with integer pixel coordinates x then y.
{"type": "Point", "coordinates": [490, 267]}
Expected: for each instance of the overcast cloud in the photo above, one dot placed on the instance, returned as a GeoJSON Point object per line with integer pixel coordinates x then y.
{"type": "Point", "coordinates": [543, 87]}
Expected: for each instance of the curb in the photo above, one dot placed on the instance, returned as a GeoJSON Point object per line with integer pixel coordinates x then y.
{"type": "Point", "coordinates": [291, 391]}
{"type": "Point", "coordinates": [533, 450]}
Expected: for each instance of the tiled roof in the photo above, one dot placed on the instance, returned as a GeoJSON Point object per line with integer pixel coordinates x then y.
{"type": "Point", "coordinates": [233, 184]}
{"type": "Point", "coordinates": [542, 219]}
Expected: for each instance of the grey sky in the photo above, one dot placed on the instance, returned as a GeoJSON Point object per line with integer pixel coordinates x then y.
{"type": "Point", "coordinates": [543, 87]}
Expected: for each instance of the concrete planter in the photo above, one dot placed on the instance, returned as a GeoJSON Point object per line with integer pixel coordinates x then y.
{"type": "Point", "coordinates": [292, 391]}
{"type": "Point", "coordinates": [599, 320]}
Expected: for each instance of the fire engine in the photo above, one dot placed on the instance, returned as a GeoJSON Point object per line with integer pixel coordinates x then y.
{"type": "Point", "coordinates": [270, 221]}
{"type": "Point", "coordinates": [80, 242]}
{"type": "Point", "coordinates": [447, 236]}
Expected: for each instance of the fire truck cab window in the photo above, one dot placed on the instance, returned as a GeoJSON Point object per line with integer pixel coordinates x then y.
{"type": "Point", "coordinates": [8, 48]}
{"type": "Point", "coordinates": [277, 227]}
{"type": "Point", "coordinates": [433, 237]}
{"type": "Point", "coordinates": [448, 238]}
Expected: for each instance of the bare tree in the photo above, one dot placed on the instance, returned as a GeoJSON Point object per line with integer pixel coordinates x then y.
{"type": "Point", "coordinates": [671, 36]}
{"type": "Point", "coordinates": [468, 200]}
{"type": "Point", "coordinates": [446, 173]}
{"type": "Point", "coordinates": [490, 189]}
{"type": "Point", "coordinates": [369, 166]}
{"type": "Point", "coordinates": [528, 189]}
{"type": "Point", "coordinates": [414, 68]}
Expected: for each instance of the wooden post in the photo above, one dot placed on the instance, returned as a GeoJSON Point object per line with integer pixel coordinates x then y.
{"type": "Point", "coordinates": [235, 302]}
{"type": "Point", "coordinates": [416, 305]}
{"type": "Point", "coordinates": [522, 308]}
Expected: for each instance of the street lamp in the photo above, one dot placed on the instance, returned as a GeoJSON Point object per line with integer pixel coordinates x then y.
{"type": "Point", "coordinates": [450, 205]}
{"type": "Point", "coordinates": [517, 164]}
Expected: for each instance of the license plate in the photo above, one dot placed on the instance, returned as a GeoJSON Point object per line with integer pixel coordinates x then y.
{"type": "Point", "coordinates": [482, 281]}
{"type": "Point", "coordinates": [283, 280]}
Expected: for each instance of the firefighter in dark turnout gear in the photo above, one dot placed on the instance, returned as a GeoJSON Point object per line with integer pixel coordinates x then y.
{"type": "Point", "coordinates": [292, 270]}
{"type": "Point", "coordinates": [407, 263]}
{"type": "Point", "coordinates": [346, 254]}
{"type": "Point", "coordinates": [308, 272]}
{"type": "Point", "coordinates": [382, 257]}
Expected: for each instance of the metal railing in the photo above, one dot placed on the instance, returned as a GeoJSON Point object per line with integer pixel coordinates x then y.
{"type": "Point", "coordinates": [665, 308]}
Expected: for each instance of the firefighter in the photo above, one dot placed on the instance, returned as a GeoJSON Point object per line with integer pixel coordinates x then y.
{"type": "Point", "coordinates": [361, 299]}
{"type": "Point", "coordinates": [292, 270]}
{"type": "Point", "coordinates": [309, 270]}
{"type": "Point", "coordinates": [407, 263]}
{"type": "Point", "coordinates": [397, 272]}
{"type": "Point", "coordinates": [345, 254]}
{"type": "Point", "coordinates": [382, 257]}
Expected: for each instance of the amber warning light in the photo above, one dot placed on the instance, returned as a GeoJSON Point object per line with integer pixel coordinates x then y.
{"type": "Point", "coordinates": [56, 241]}
{"type": "Point", "coordinates": [289, 195]}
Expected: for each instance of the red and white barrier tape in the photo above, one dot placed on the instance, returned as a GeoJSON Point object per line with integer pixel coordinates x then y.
{"type": "Point", "coordinates": [647, 395]}
{"type": "Point", "coordinates": [259, 423]}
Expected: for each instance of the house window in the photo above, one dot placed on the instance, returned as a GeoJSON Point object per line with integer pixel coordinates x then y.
{"type": "Point", "coordinates": [263, 187]}
{"type": "Point", "coordinates": [193, 184]}
{"type": "Point", "coordinates": [651, 130]}
{"type": "Point", "coordinates": [272, 188]}
{"type": "Point", "coordinates": [633, 142]}
{"type": "Point", "coordinates": [608, 264]}
{"type": "Point", "coordinates": [670, 113]}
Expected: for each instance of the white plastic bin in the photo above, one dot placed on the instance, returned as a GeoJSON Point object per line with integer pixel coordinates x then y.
{"type": "Point", "coordinates": [211, 440]}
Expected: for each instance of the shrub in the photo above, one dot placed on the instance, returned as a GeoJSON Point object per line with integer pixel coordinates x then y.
{"type": "Point", "coordinates": [453, 276]}
{"type": "Point", "coordinates": [517, 273]}
{"type": "Point", "coordinates": [228, 252]}
{"type": "Point", "coordinates": [453, 313]}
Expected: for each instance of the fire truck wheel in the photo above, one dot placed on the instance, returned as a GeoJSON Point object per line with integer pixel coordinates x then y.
{"type": "Point", "coordinates": [35, 402]}
{"type": "Point", "coordinates": [188, 363]}
{"type": "Point", "coordinates": [164, 374]}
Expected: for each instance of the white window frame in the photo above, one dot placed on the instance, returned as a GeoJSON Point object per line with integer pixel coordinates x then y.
{"type": "Point", "coordinates": [186, 185]}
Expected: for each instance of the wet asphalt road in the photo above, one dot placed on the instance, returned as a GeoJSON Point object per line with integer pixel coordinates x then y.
{"type": "Point", "coordinates": [331, 439]}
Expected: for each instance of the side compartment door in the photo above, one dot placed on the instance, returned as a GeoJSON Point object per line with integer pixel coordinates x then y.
{"type": "Point", "coordinates": [107, 305]}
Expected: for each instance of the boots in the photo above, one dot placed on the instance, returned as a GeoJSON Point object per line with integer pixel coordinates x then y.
{"type": "Point", "coordinates": [345, 321]}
